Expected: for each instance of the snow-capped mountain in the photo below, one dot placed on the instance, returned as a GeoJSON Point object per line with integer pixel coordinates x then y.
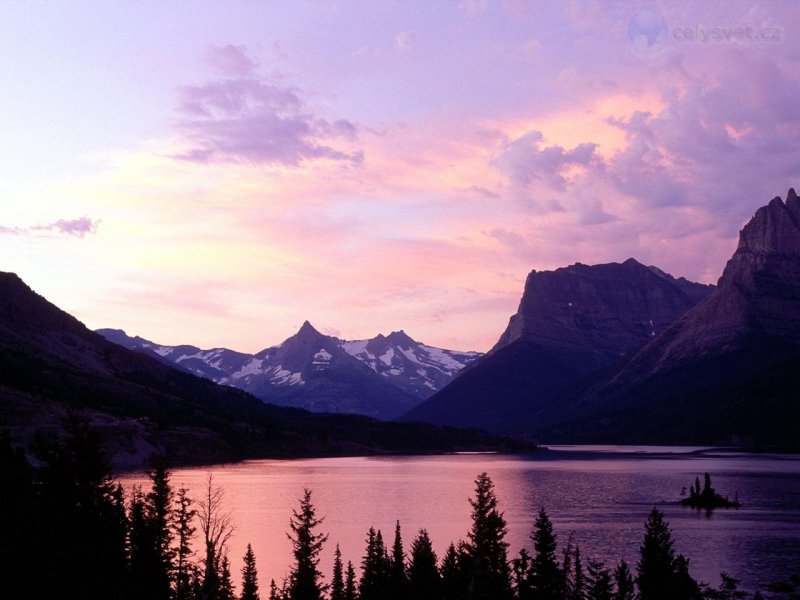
{"type": "Point", "coordinates": [382, 377]}
{"type": "Point", "coordinates": [419, 369]}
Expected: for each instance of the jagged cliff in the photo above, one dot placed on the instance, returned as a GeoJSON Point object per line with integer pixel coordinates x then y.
{"type": "Point", "coordinates": [571, 323]}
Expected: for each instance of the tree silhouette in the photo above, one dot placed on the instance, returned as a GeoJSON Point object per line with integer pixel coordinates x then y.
{"type": "Point", "coordinates": [660, 575]}
{"type": "Point", "coordinates": [216, 525]}
{"type": "Point", "coordinates": [305, 579]}
{"type": "Point", "coordinates": [424, 581]}
{"type": "Point", "coordinates": [598, 582]}
{"type": "Point", "coordinates": [490, 576]}
{"type": "Point", "coordinates": [546, 580]}
{"type": "Point", "coordinates": [623, 582]}
{"type": "Point", "coordinates": [398, 578]}
{"type": "Point", "coordinates": [455, 572]}
{"type": "Point", "coordinates": [375, 568]}
{"type": "Point", "coordinates": [350, 584]}
{"type": "Point", "coordinates": [337, 581]}
{"type": "Point", "coordinates": [249, 576]}
{"type": "Point", "coordinates": [183, 532]}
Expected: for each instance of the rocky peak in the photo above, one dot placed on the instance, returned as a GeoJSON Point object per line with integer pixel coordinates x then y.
{"type": "Point", "coordinates": [774, 228]}
{"type": "Point", "coordinates": [606, 310]}
{"type": "Point", "coordinates": [307, 333]}
{"type": "Point", "coordinates": [401, 339]}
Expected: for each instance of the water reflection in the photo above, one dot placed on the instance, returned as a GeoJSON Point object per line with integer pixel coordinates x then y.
{"type": "Point", "coordinates": [600, 495]}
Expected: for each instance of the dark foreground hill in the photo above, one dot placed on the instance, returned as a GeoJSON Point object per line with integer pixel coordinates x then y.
{"type": "Point", "coordinates": [50, 365]}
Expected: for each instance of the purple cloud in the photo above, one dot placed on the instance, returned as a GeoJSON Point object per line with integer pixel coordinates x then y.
{"type": "Point", "coordinates": [524, 161]}
{"type": "Point", "coordinates": [231, 60]}
{"type": "Point", "coordinates": [246, 119]}
{"type": "Point", "coordinates": [73, 227]}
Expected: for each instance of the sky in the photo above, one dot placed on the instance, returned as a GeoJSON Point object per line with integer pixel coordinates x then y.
{"type": "Point", "coordinates": [215, 173]}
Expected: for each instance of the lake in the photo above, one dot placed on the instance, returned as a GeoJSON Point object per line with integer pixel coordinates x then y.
{"type": "Point", "coordinates": [599, 495]}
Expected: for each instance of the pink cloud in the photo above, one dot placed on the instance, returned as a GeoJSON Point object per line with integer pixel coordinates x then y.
{"type": "Point", "coordinates": [246, 119]}
{"type": "Point", "coordinates": [72, 227]}
{"type": "Point", "coordinates": [231, 60]}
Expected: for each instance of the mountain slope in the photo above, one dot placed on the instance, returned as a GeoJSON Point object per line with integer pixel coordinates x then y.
{"type": "Point", "coordinates": [382, 377]}
{"type": "Point", "coordinates": [50, 364]}
{"type": "Point", "coordinates": [727, 370]}
{"type": "Point", "coordinates": [571, 323]}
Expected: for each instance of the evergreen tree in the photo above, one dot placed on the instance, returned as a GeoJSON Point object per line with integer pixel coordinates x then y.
{"type": "Point", "coordinates": [249, 576]}
{"type": "Point", "coordinates": [623, 582]}
{"type": "Point", "coordinates": [337, 581]}
{"type": "Point", "coordinates": [598, 582]}
{"type": "Point", "coordinates": [78, 511]}
{"type": "Point", "coordinates": [183, 531]}
{"type": "Point", "coordinates": [398, 578]}
{"type": "Point", "coordinates": [520, 568]}
{"type": "Point", "coordinates": [490, 576]}
{"type": "Point", "coordinates": [685, 587]}
{"type": "Point", "coordinates": [274, 593]}
{"type": "Point", "coordinates": [350, 584]}
{"type": "Point", "coordinates": [226, 591]}
{"type": "Point", "coordinates": [158, 513]}
{"type": "Point", "coordinates": [577, 581]}
{"type": "Point", "coordinates": [305, 579]}
{"type": "Point", "coordinates": [375, 568]}
{"type": "Point", "coordinates": [660, 575]}
{"type": "Point", "coordinates": [455, 572]}
{"type": "Point", "coordinates": [546, 580]}
{"type": "Point", "coordinates": [424, 581]}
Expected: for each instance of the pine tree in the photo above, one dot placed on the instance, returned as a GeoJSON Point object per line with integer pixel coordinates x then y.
{"type": "Point", "coordinates": [489, 570]}
{"type": "Point", "coordinates": [424, 581]}
{"type": "Point", "coordinates": [183, 531]}
{"type": "Point", "coordinates": [305, 580]}
{"type": "Point", "coordinates": [623, 582]}
{"type": "Point", "coordinates": [375, 568]}
{"type": "Point", "coordinates": [274, 593]}
{"type": "Point", "coordinates": [350, 584]}
{"type": "Point", "coordinates": [158, 513]}
{"type": "Point", "coordinates": [455, 572]}
{"type": "Point", "coordinates": [520, 568]}
{"type": "Point", "coordinates": [398, 578]}
{"type": "Point", "coordinates": [249, 576]}
{"type": "Point", "coordinates": [598, 582]}
{"type": "Point", "coordinates": [658, 574]}
{"type": "Point", "coordinates": [546, 579]}
{"type": "Point", "coordinates": [226, 591]}
{"type": "Point", "coordinates": [337, 581]}
{"type": "Point", "coordinates": [577, 583]}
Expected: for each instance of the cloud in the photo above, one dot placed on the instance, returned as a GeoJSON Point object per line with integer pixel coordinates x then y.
{"type": "Point", "coordinates": [481, 191]}
{"type": "Point", "coordinates": [231, 60]}
{"type": "Point", "coordinates": [524, 161]}
{"type": "Point", "coordinates": [405, 41]}
{"type": "Point", "coordinates": [73, 227]}
{"type": "Point", "coordinates": [246, 119]}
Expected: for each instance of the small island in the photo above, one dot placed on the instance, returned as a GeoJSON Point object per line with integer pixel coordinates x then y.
{"type": "Point", "coordinates": [708, 498]}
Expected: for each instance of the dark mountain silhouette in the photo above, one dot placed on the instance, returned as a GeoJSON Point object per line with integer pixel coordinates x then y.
{"type": "Point", "coordinates": [728, 370]}
{"type": "Point", "coordinates": [50, 364]}
{"type": "Point", "coordinates": [571, 323]}
{"type": "Point", "coordinates": [382, 377]}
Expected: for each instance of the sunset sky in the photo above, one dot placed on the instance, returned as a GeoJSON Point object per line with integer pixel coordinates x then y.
{"type": "Point", "coordinates": [215, 173]}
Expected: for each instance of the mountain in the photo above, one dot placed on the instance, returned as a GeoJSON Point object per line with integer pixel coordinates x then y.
{"type": "Point", "coordinates": [726, 371]}
{"type": "Point", "coordinates": [51, 366]}
{"type": "Point", "coordinates": [571, 323]}
{"type": "Point", "coordinates": [382, 377]}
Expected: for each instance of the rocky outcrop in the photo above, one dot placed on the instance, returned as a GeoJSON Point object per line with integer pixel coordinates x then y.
{"type": "Point", "coordinates": [758, 294]}
{"type": "Point", "coordinates": [571, 323]}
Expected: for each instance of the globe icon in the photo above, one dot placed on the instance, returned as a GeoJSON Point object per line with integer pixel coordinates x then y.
{"type": "Point", "coordinates": [647, 32]}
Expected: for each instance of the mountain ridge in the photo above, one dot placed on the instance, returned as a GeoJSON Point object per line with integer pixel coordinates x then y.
{"type": "Point", "coordinates": [381, 377]}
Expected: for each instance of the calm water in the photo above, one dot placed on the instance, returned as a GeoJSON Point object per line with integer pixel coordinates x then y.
{"type": "Point", "coordinates": [598, 494]}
